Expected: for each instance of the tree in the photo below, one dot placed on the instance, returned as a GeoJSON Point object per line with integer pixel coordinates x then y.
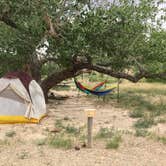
{"type": "Point", "coordinates": [123, 40]}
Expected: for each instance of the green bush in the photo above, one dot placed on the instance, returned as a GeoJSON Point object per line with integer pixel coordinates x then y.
{"type": "Point", "coordinates": [104, 133]}
{"type": "Point", "coordinates": [60, 142]}
{"type": "Point", "coordinates": [146, 122]}
{"type": "Point", "coordinates": [162, 139]}
{"type": "Point", "coordinates": [58, 123]}
{"type": "Point", "coordinates": [72, 129]}
{"type": "Point", "coordinates": [10, 133]}
{"type": "Point", "coordinates": [136, 113]}
{"type": "Point", "coordinates": [114, 142]}
{"type": "Point", "coordinates": [141, 133]}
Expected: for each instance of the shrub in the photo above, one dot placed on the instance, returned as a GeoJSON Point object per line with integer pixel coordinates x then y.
{"type": "Point", "coordinates": [141, 133]}
{"type": "Point", "coordinates": [60, 142]}
{"type": "Point", "coordinates": [162, 139]}
{"type": "Point", "coordinates": [146, 122]}
{"type": "Point", "coordinates": [4, 142]}
{"type": "Point", "coordinates": [114, 142]}
{"type": "Point", "coordinates": [58, 123]}
{"type": "Point", "coordinates": [72, 129]}
{"type": "Point", "coordinates": [136, 113]}
{"type": "Point", "coordinates": [104, 133]}
{"type": "Point", "coordinates": [10, 133]}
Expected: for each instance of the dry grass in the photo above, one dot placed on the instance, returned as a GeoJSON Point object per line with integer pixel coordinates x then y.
{"type": "Point", "coordinates": [60, 142]}
{"type": "Point", "coordinates": [145, 101]}
{"type": "Point", "coordinates": [112, 137]}
{"type": "Point", "coordinates": [114, 142]}
{"type": "Point", "coordinates": [64, 135]}
{"type": "Point", "coordinates": [10, 133]}
{"type": "Point", "coordinates": [114, 126]}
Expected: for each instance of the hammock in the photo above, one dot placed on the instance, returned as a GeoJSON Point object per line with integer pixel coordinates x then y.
{"type": "Point", "coordinates": [95, 88]}
{"type": "Point", "coordinates": [85, 90]}
{"type": "Point", "coordinates": [93, 91]}
{"type": "Point", "coordinates": [98, 86]}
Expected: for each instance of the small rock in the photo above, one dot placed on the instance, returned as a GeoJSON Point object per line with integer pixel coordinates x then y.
{"type": "Point", "coordinates": [56, 130]}
{"type": "Point", "coordinates": [106, 122]}
{"type": "Point", "coordinates": [84, 145]}
{"type": "Point", "coordinates": [66, 118]}
{"type": "Point", "coordinates": [77, 148]}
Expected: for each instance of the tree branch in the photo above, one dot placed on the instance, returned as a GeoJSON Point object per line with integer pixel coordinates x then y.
{"type": "Point", "coordinates": [57, 77]}
{"type": "Point", "coordinates": [49, 59]}
{"type": "Point", "coordinates": [133, 78]}
{"type": "Point", "coordinates": [50, 26]}
{"type": "Point", "coordinates": [5, 19]}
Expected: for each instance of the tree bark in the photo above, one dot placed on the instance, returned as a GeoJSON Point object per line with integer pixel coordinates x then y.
{"type": "Point", "coordinates": [133, 78]}
{"type": "Point", "coordinates": [57, 77]}
{"type": "Point", "coordinates": [36, 72]}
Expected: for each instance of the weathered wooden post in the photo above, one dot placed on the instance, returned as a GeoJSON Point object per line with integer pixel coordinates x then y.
{"type": "Point", "coordinates": [90, 114]}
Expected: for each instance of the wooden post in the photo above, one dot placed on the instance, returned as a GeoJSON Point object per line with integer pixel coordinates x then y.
{"type": "Point", "coordinates": [89, 137]}
{"type": "Point", "coordinates": [90, 114]}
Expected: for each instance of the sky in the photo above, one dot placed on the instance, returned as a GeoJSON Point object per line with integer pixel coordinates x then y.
{"type": "Point", "coordinates": [162, 5]}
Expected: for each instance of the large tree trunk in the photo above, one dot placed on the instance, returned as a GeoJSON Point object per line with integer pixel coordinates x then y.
{"type": "Point", "coordinates": [57, 77]}
{"type": "Point", "coordinates": [35, 67]}
{"type": "Point", "coordinates": [36, 72]}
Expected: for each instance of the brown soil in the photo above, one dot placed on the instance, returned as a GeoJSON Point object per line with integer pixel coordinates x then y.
{"type": "Point", "coordinates": [133, 151]}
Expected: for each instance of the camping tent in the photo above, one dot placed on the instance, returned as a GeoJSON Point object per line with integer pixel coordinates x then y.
{"type": "Point", "coordinates": [21, 99]}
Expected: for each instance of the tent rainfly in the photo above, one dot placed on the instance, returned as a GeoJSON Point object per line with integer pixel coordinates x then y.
{"type": "Point", "coordinates": [21, 99]}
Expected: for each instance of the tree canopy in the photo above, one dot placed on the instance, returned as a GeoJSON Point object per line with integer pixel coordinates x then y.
{"type": "Point", "coordinates": [123, 39]}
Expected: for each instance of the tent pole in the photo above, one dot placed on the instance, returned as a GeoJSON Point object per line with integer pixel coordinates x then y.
{"type": "Point", "coordinates": [104, 98]}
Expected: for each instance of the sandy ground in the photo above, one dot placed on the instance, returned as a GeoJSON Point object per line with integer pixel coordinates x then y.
{"type": "Point", "coordinates": [133, 151]}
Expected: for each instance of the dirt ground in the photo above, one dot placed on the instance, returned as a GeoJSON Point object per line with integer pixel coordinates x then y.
{"type": "Point", "coordinates": [21, 150]}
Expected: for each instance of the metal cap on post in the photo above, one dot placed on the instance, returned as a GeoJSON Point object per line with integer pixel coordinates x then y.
{"type": "Point", "coordinates": [90, 113]}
